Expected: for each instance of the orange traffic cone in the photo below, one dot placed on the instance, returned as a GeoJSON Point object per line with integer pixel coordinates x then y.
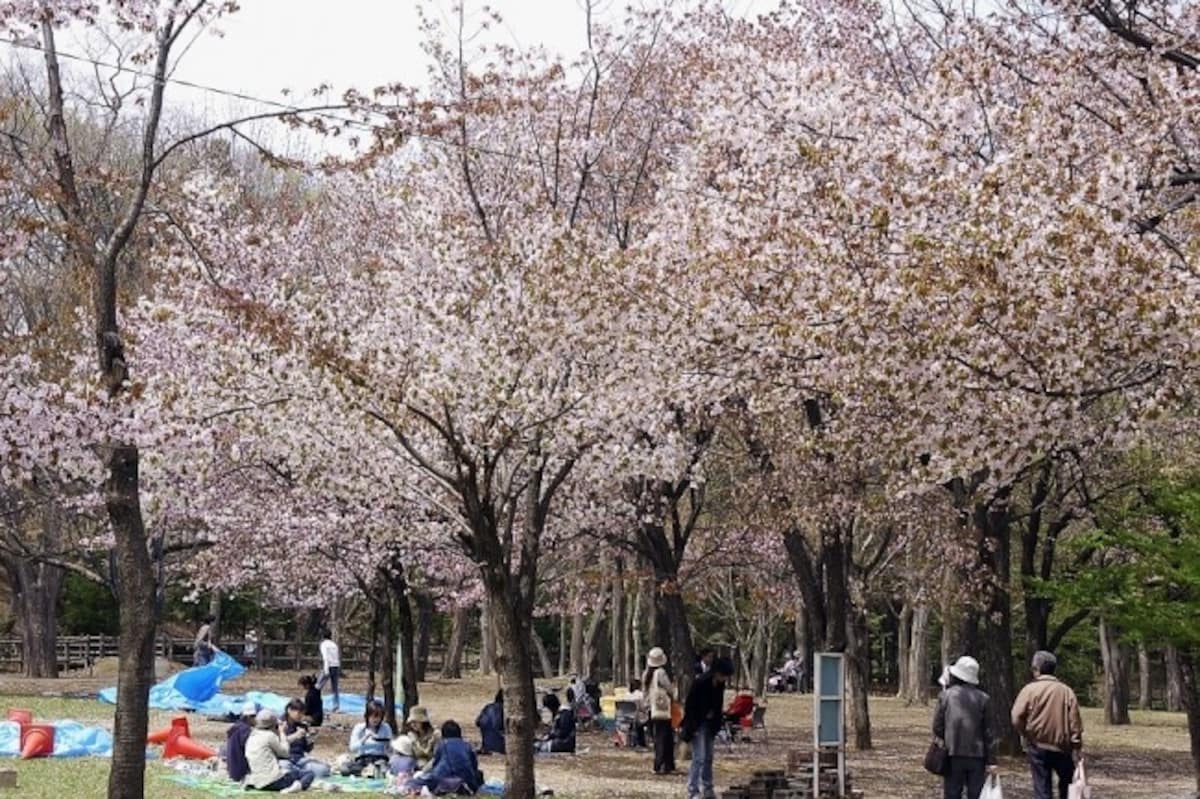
{"type": "Point", "coordinates": [162, 736]}
{"type": "Point", "coordinates": [20, 716]}
{"type": "Point", "coordinates": [37, 740]}
{"type": "Point", "coordinates": [179, 745]}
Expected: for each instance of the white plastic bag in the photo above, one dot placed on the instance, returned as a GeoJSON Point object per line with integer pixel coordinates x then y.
{"type": "Point", "coordinates": [1079, 786]}
{"type": "Point", "coordinates": [991, 789]}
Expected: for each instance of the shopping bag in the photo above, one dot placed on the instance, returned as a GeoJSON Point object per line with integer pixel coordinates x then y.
{"type": "Point", "coordinates": [1079, 786]}
{"type": "Point", "coordinates": [991, 789]}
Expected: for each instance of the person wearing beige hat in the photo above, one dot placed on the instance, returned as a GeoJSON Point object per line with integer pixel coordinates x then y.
{"type": "Point", "coordinates": [419, 729]}
{"type": "Point", "coordinates": [963, 722]}
{"type": "Point", "coordinates": [660, 694]}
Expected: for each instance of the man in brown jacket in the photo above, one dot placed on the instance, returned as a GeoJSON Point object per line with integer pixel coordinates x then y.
{"type": "Point", "coordinates": [1046, 715]}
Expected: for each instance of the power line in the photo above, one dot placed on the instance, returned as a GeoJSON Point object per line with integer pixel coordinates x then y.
{"type": "Point", "coordinates": [523, 156]}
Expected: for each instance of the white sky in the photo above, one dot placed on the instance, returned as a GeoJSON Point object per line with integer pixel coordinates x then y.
{"type": "Point", "coordinates": [270, 45]}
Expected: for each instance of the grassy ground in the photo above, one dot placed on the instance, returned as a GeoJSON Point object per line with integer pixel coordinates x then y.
{"type": "Point", "coordinates": [1148, 760]}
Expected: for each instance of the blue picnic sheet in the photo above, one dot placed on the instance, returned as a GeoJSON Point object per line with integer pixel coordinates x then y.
{"type": "Point", "coordinates": [199, 689]}
{"type": "Point", "coordinates": [71, 739]}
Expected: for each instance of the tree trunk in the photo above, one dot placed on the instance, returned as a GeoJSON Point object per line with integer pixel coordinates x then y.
{"type": "Point", "coordinates": [990, 633]}
{"type": "Point", "coordinates": [803, 646]}
{"type": "Point", "coordinates": [591, 640]}
{"type": "Point", "coordinates": [858, 678]}
{"type": "Point", "coordinates": [513, 662]}
{"type": "Point", "coordinates": [377, 619]}
{"type": "Point", "coordinates": [903, 637]}
{"type": "Point", "coordinates": [1144, 695]}
{"type": "Point", "coordinates": [35, 591]}
{"type": "Point", "coordinates": [950, 644]}
{"type": "Point", "coordinates": [677, 641]}
{"type": "Point", "coordinates": [634, 645]}
{"type": "Point", "coordinates": [762, 656]}
{"type": "Point", "coordinates": [562, 644]}
{"type": "Point", "coordinates": [1174, 680]}
{"type": "Point", "coordinates": [543, 656]}
{"type": "Point", "coordinates": [620, 673]}
{"type": "Point", "coordinates": [1188, 669]}
{"type": "Point", "coordinates": [136, 591]}
{"type": "Point", "coordinates": [487, 638]}
{"type": "Point", "coordinates": [577, 643]}
{"type": "Point", "coordinates": [1116, 675]}
{"type": "Point", "coordinates": [407, 641]}
{"type": "Point", "coordinates": [387, 668]}
{"type": "Point", "coordinates": [424, 631]}
{"type": "Point", "coordinates": [918, 654]}
{"type": "Point", "coordinates": [460, 620]}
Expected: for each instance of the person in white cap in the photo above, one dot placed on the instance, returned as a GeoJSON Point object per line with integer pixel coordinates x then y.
{"type": "Point", "coordinates": [963, 722]}
{"type": "Point", "coordinates": [235, 743]}
{"type": "Point", "coordinates": [660, 694]}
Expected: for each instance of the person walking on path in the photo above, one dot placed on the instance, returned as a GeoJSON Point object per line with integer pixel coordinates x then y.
{"type": "Point", "coordinates": [1046, 716]}
{"type": "Point", "coordinates": [659, 696]}
{"type": "Point", "coordinates": [702, 719]}
{"type": "Point", "coordinates": [963, 721]}
{"type": "Point", "coordinates": [331, 668]}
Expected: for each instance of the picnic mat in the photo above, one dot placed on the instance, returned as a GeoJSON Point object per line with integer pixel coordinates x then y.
{"type": "Point", "coordinates": [218, 785]}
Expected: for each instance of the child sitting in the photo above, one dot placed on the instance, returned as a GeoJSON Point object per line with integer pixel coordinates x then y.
{"type": "Point", "coordinates": [298, 737]}
{"type": "Point", "coordinates": [403, 765]}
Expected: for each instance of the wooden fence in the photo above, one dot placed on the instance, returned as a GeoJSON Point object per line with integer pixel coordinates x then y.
{"type": "Point", "coordinates": [80, 653]}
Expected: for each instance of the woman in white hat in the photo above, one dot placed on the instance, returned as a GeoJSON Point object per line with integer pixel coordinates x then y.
{"type": "Point", "coordinates": [963, 722]}
{"type": "Point", "coordinates": [660, 694]}
{"type": "Point", "coordinates": [419, 729]}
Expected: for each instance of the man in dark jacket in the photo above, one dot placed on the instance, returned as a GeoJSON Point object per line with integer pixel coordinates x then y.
{"type": "Point", "coordinates": [454, 766]}
{"type": "Point", "coordinates": [702, 719]}
{"type": "Point", "coordinates": [491, 726]}
{"type": "Point", "coordinates": [963, 722]}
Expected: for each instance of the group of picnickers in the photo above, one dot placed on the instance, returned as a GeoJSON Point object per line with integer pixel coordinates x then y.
{"type": "Point", "coordinates": [1045, 715]}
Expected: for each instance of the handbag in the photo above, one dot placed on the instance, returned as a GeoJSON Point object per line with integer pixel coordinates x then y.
{"type": "Point", "coordinates": [1079, 785]}
{"type": "Point", "coordinates": [937, 758]}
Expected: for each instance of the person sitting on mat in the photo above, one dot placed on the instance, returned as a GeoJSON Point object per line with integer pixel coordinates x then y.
{"type": "Point", "coordinates": [454, 767]}
{"type": "Point", "coordinates": [369, 740]}
{"type": "Point", "coordinates": [491, 726]}
{"type": "Point", "coordinates": [267, 754]}
{"type": "Point", "coordinates": [425, 739]}
{"type": "Point", "coordinates": [314, 708]}
{"type": "Point", "coordinates": [561, 737]}
{"type": "Point", "coordinates": [235, 743]}
{"type": "Point", "coordinates": [299, 738]}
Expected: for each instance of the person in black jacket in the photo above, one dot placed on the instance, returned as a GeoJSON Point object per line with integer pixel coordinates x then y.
{"type": "Point", "coordinates": [702, 719]}
{"type": "Point", "coordinates": [561, 737]}
{"type": "Point", "coordinates": [314, 708]}
{"type": "Point", "coordinates": [963, 722]}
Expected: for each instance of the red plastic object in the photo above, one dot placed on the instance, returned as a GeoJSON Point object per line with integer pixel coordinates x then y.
{"type": "Point", "coordinates": [20, 716]}
{"type": "Point", "coordinates": [180, 745]}
{"type": "Point", "coordinates": [37, 740]}
{"type": "Point", "coordinates": [179, 723]}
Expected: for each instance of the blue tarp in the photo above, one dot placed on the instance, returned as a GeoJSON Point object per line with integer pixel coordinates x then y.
{"type": "Point", "coordinates": [71, 739]}
{"type": "Point", "coordinates": [189, 687]}
{"type": "Point", "coordinates": [199, 689]}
